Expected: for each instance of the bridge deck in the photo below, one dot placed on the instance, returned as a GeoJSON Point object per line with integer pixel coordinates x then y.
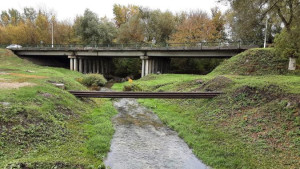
{"type": "Point", "coordinates": [201, 50]}
{"type": "Point", "coordinates": [159, 95]}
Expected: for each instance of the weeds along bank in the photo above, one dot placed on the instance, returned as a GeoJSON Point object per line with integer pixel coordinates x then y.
{"type": "Point", "coordinates": [255, 124]}
{"type": "Point", "coordinates": [42, 126]}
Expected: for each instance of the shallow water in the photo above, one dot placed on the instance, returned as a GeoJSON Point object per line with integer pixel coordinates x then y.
{"type": "Point", "coordinates": [142, 141]}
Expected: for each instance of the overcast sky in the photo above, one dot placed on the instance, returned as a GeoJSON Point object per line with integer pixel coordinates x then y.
{"type": "Point", "coordinates": [68, 9]}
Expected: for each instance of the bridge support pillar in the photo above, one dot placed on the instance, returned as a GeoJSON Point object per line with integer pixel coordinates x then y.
{"type": "Point", "coordinates": [97, 66]}
{"type": "Point", "coordinates": [91, 65]}
{"type": "Point", "coordinates": [102, 66]}
{"type": "Point", "coordinates": [94, 65]}
{"type": "Point", "coordinates": [145, 63]}
{"type": "Point", "coordinates": [80, 65]}
{"type": "Point", "coordinates": [85, 66]}
{"type": "Point", "coordinates": [73, 62]}
{"type": "Point", "coordinates": [154, 65]}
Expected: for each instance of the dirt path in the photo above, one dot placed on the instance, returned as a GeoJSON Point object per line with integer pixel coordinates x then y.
{"type": "Point", "coordinates": [142, 141]}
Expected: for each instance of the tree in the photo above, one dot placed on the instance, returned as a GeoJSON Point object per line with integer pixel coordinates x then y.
{"type": "Point", "coordinates": [31, 27]}
{"type": "Point", "coordinates": [196, 27]}
{"type": "Point", "coordinates": [158, 25]}
{"type": "Point", "coordinates": [287, 12]}
{"type": "Point", "coordinates": [245, 23]}
{"type": "Point", "coordinates": [12, 16]}
{"type": "Point", "coordinates": [3, 38]}
{"type": "Point", "coordinates": [5, 18]}
{"type": "Point", "coordinates": [131, 31]}
{"type": "Point", "coordinates": [218, 20]}
{"type": "Point", "coordinates": [43, 28]}
{"type": "Point", "coordinates": [15, 16]}
{"type": "Point", "coordinates": [63, 32]}
{"type": "Point", "coordinates": [93, 30]}
{"type": "Point", "coordinates": [30, 32]}
{"type": "Point", "coordinates": [88, 27]}
{"type": "Point", "coordinates": [124, 13]}
{"type": "Point", "coordinates": [107, 31]}
{"type": "Point", "coordinates": [287, 43]}
{"type": "Point", "coordinates": [30, 14]}
{"type": "Point", "coordinates": [77, 27]}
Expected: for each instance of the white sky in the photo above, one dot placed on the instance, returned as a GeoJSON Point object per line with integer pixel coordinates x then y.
{"type": "Point", "coordinates": [68, 9]}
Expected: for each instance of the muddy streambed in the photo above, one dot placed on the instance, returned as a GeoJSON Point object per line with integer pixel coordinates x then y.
{"type": "Point", "coordinates": [142, 141]}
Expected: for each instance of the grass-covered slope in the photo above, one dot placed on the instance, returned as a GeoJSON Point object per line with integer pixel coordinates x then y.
{"type": "Point", "coordinates": [254, 62]}
{"type": "Point", "coordinates": [255, 124]}
{"type": "Point", "coordinates": [42, 126]}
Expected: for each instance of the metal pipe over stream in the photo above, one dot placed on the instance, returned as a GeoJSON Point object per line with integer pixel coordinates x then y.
{"type": "Point", "coordinates": [158, 95]}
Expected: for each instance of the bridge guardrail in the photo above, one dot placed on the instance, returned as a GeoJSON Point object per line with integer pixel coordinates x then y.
{"type": "Point", "coordinates": [145, 46]}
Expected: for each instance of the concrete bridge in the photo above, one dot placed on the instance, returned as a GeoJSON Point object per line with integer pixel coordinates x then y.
{"type": "Point", "coordinates": [97, 59]}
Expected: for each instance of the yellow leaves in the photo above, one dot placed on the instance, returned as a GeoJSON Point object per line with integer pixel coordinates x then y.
{"type": "Point", "coordinates": [34, 31]}
{"type": "Point", "coordinates": [196, 27]}
{"type": "Point", "coordinates": [130, 81]}
{"type": "Point", "coordinates": [124, 13]}
{"type": "Point", "coordinates": [43, 29]}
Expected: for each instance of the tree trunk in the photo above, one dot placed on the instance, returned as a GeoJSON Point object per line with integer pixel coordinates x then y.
{"type": "Point", "coordinates": [292, 63]}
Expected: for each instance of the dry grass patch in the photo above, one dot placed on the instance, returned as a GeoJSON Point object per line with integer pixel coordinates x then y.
{"type": "Point", "coordinates": [28, 76]}
{"type": "Point", "coordinates": [14, 85]}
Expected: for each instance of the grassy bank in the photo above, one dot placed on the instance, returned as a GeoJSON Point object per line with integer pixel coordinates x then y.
{"type": "Point", "coordinates": [42, 126]}
{"type": "Point", "coordinates": [254, 125]}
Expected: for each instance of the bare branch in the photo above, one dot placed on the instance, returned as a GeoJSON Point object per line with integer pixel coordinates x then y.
{"type": "Point", "coordinates": [285, 22]}
{"type": "Point", "coordinates": [270, 8]}
{"type": "Point", "coordinates": [291, 11]}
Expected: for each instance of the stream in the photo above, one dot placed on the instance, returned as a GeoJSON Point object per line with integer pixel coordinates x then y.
{"type": "Point", "coordinates": [142, 141]}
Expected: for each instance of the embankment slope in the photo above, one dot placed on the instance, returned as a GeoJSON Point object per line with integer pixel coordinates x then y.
{"type": "Point", "coordinates": [42, 126]}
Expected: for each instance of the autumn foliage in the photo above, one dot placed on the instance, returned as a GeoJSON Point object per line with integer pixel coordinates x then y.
{"type": "Point", "coordinates": [131, 24]}
{"type": "Point", "coordinates": [32, 27]}
{"type": "Point", "coordinates": [196, 27]}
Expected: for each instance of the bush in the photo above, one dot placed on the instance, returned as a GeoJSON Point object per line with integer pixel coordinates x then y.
{"type": "Point", "coordinates": [132, 87]}
{"type": "Point", "coordinates": [93, 80]}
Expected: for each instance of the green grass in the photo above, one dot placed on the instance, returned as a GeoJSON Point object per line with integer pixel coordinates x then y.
{"type": "Point", "coordinates": [255, 124]}
{"type": "Point", "coordinates": [214, 147]}
{"type": "Point", "coordinates": [46, 126]}
{"type": "Point", "coordinates": [178, 82]}
{"type": "Point", "coordinates": [255, 62]}
{"type": "Point", "coordinates": [163, 82]}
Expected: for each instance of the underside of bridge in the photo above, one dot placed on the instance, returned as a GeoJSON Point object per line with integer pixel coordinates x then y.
{"type": "Point", "coordinates": [103, 65]}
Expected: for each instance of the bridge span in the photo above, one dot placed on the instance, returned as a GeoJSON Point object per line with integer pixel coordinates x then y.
{"type": "Point", "coordinates": [97, 59]}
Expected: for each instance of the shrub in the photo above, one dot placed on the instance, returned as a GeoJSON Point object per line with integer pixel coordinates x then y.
{"type": "Point", "coordinates": [132, 87]}
{"type": "Point", "coordinates": [93, 80]}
